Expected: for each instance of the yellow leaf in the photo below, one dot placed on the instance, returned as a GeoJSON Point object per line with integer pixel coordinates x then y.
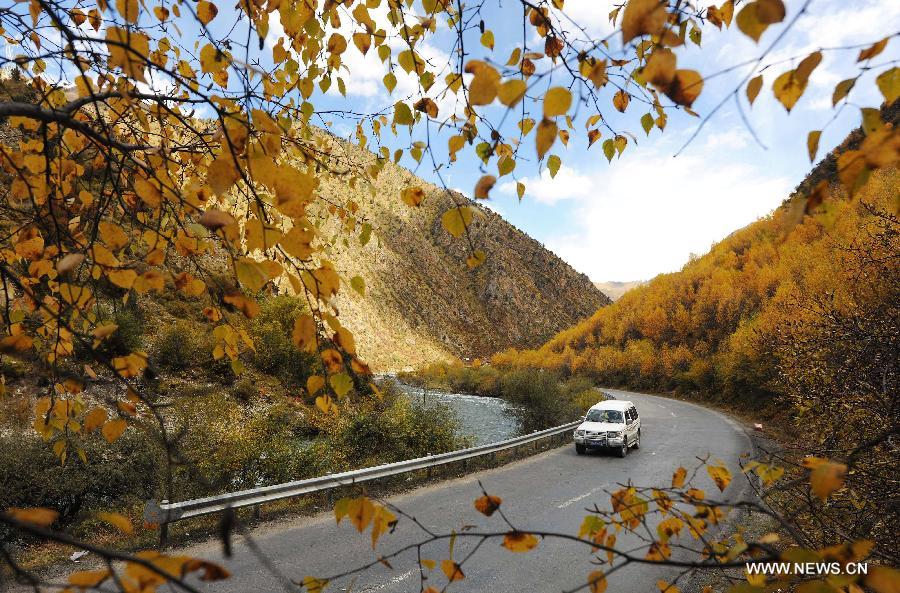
{"type": "Point", "coordinates": [304, 333]}
{"type": "Point", "coordinates": [487, 504]}
{"type": "Point", "coordinates": [341, 383]}
{"type": "Point", "coordinates": [873, 50]}
{"type": "Point", "coordinates": [826, 476]}
{"type": "Point", "coordinates": [382, 522]}
{"type": "Point", "coordinates": [756, 17]}
{"type": "Point", "coordinates": [222, 173]}
{"type": "Point", "coordinates": [643, 17]}
{"type": "Point", "coordinates": [545, 136]}
{"type": "Point", "coordinates": [147, 192]}
{"type": "Point", "coordinates": [213, 60]}
{"type": "Point", "coordinates": [36, 515]}
{"type": "Point", "coordinates": [117, 520]}
{"type": "Point", "coordinates": [620, 100]}
{"type": "Point", "coordinates": [484, 186]}
{"type": "Point", "coordinates": [122, 278]}
{"type": "Point", "coordinates": [597, 582]}
{"type": "Point", "coordinates": [812, 144]}
{"type": "Point", "coordinates": [128, 50]}
{"type": "Point", "coordinates": [597, 74]}
{"type": "Point", "coordinates": [666, 587]}
{"type": "Point", "coordinates": [326, 404]}
{"type": "Point", "coordinates": [660, 68]}
{"type": "Point", "coordinates": [487, 39]}
{"type": "Point", "coordinates": [457, 220]}
{"type": "Point", "coordinates": [314, 383]}
{"type": "Point", "coordinates": [88, 579]}
{"type": "Point", "coordinates": [511, 91]}
{"type": "Point", "coordinates": [686, 87]}
{"type": "Point", "coordinates": [485, 83]}
{"type": "Point", "coordinates": [128, 9]}
{"type": "Point", "coordinates": [314, 585]}
{"type": "Point", "coordinates": [452, 570]}
{"type": "Point", "coordinates": [883, 579]}
{"type": "Point", "coordinates": [516, 541]}
{"type": "Point", "coordinates": [413, 196]}
{"type": "Point", "coordinates": [476, 259]}
{"type": "Point", "coordinates": [95, 419]}
{"type": "Point", "coordinates": [557, 101]}
{"type": "Point", "coordinates": [889, 84]}
{"type": "Point", "coordinates": [113, 235]}
{"type": "Point", "coordinates": [720, 475]}
{"type": "Point", "coordinates": [359, 285]}
{"type": "Point", "coordinates": [113, 429]}
{"type": "Point", "coordinates": [362, 41]}
{"type": "Point", "coordinates": [753, 88]}
{"type": "Point", "coordinates": [553, 165]}
{"type": "Point", "coordinates": [788, 89]}
{"type": "Point", "coordinates": [679, 477]}
{"type": "Point", "coordinates": [206, 11]}
{"type": "Point", "coordinates": [361, 511]}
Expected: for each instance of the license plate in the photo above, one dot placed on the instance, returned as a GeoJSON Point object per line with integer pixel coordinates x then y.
{"type": "Point", "coordinates": [597, 443]}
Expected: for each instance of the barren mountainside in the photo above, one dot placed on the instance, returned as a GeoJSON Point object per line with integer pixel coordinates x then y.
{"type": "Point", "coordinates": [423, 303]}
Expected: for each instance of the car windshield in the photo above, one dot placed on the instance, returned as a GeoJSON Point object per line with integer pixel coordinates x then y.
{"type": "Point", "coordinates": [611, 416]}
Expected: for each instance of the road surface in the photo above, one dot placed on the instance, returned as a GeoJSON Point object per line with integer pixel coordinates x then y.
{"type": "Point", "coordinates": [549, 491]}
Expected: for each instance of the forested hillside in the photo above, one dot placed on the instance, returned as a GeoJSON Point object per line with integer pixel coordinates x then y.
{"type": "Point", "coordinates": [777, 308]}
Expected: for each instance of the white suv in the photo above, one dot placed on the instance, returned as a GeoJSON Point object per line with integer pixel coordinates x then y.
{"type": "Point", "coordinates": [612, 424]}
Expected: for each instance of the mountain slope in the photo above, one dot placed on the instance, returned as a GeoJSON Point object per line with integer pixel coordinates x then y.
{"type": "Point", "coordinates": [735, 321]}
{"type": "Point", "coordinates": [423, 303]}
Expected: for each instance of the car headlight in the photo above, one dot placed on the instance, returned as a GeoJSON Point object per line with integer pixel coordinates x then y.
{"type": "Point", "coordinates": [579, 432]}
{"type": "Point", "coordinates": [613, 435]}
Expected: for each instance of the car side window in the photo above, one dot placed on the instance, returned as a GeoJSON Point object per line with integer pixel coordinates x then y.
{"type": "Point", "coordinates": [628, 417]}
{"type": "Point", "coordinates": [634, 413]}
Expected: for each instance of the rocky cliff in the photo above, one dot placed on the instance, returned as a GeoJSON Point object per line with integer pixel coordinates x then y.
{"type": "Point", "coordinates": [422, 301]}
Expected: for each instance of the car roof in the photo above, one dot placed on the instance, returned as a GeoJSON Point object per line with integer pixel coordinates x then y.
{"type": "Point", "coordinates": [612, 404]}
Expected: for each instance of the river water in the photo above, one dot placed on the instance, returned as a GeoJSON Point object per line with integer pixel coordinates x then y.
{"type": "Point", "coordinates": [482, 419]}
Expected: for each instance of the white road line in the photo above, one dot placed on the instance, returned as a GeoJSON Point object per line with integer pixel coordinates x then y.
{"type": "Point", "coordinates": [393, 581]}
{"type": "Point", "coordinates": [572, 501]}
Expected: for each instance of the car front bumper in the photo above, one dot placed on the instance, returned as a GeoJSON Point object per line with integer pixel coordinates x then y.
{"type": "Point", "coordinates": [598, 442]}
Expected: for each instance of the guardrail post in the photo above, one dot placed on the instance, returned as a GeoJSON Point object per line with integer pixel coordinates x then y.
{"type": "Point", "coordinates": [164, 531]}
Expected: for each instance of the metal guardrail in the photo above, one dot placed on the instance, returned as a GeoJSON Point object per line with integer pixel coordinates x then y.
{"type": "Point", "coordinates": [168, 512]}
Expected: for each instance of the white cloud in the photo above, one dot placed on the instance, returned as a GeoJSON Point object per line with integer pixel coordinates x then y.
{"type": "Point", "coordinates": [568, 184]}
{"type": "Point", "coordinates": [590, 15]}
{"type": "Point", "coordinates": [647, 212]}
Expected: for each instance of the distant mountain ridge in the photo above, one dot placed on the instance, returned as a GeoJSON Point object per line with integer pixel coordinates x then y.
{"type": "Point", "coordinates": [614, 290]}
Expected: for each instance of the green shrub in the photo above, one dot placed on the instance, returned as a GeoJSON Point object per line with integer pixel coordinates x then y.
{"type": "Point", "coordinates": [395, 429]}
{"type": "Point", "coordinates": [127, 338]}
{"type": "Point", "coordinates": [539, 400]}
{"type": "Point", "coordinates": [236, 446]}
{"type": "Point", "coordinates": [116, 475]}
{"type": "Point", "coordinates": [275, 352]}
{"type": "Point", "coordinates": [177, 346]}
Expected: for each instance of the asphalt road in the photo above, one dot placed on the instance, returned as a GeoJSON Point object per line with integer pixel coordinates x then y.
{"type": "Point", "coordinates": [549, 491]}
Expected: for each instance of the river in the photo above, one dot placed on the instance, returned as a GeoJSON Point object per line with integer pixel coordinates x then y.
{"type": "Point", "coordinates": [481, 419]}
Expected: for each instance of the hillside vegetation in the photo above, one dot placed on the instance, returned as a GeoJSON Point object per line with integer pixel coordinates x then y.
{"type": "Point", "coordinates": [423, 303]}
{"type": "Point", "coordinates": [732, 321]}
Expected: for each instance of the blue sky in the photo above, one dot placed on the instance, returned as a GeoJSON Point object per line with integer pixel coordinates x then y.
{"type": "Point", "coordinates": [646, 212]}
